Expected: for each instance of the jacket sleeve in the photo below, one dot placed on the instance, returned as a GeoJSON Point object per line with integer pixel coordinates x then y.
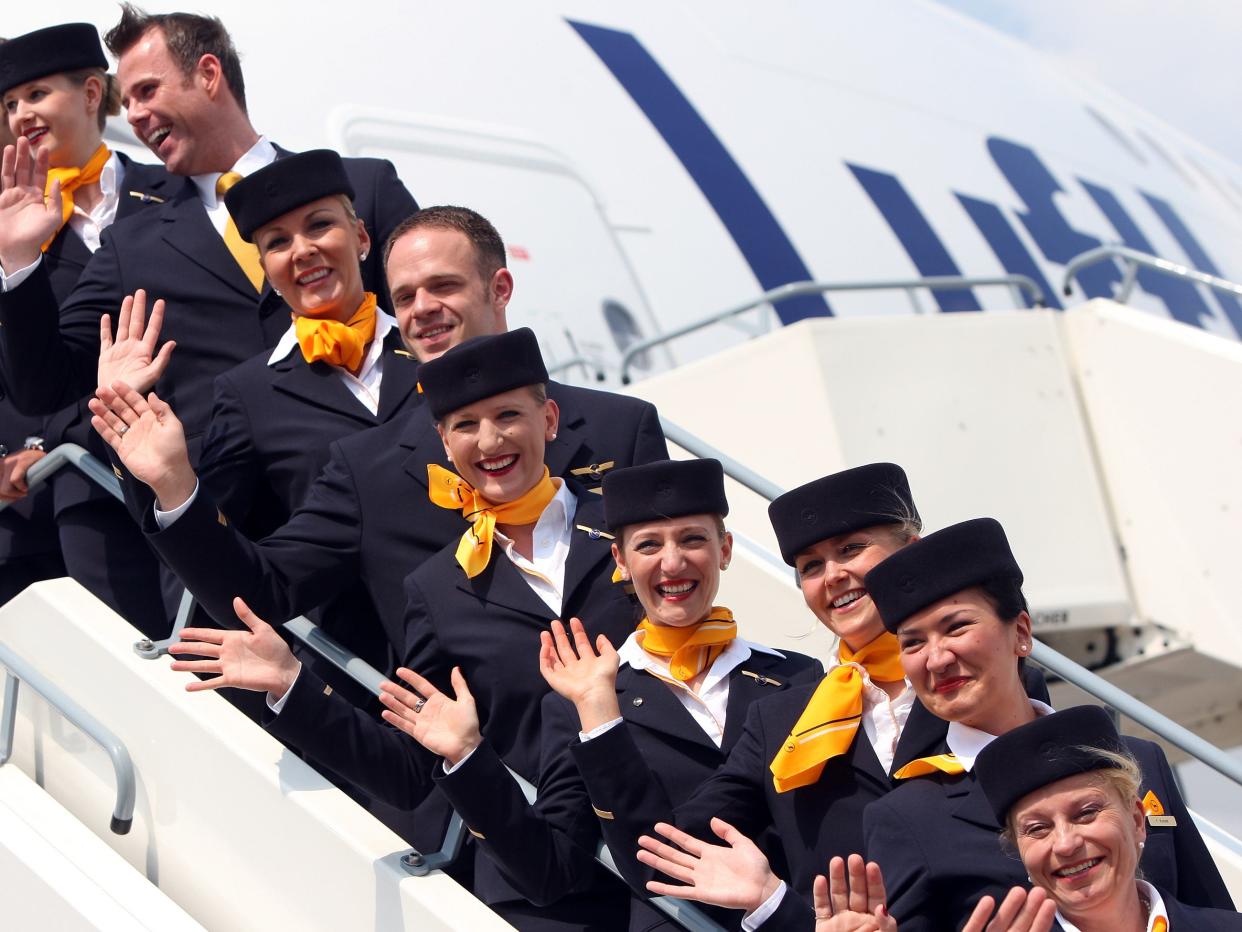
{"type": "Point", "coordinates": [391, 203]}
{"type": "Point", "coordinates": [228, 466]}
{"type": "Point", "coordinates": [629, 801]}
{"type": "Point", "coordinates": [891, 844]}
{"type": "Point", "coordinates": [303, 564]}
{"type": "Point", "coordinates": [52, 353]}
{"type": "Point", "coordinates": [544, 850]}
{"type": "Point", "coordinates": [384, 761]}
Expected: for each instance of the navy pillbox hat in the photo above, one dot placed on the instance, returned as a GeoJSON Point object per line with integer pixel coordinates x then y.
{"type": "Point", "coordinates": [1041, 752]}
{"type": "Point", "coordinates": [666, 489]}
{"type": "Point", "coordinates": [284, 185]}
{"type": "Point", "coordinates": [53, 50]}
{"type": "Point", "coordinates": [481, 367]}
{"type": "Point", "coordinates": [846, 501]}
{"type": "Point", "coordinates": [938, 565]}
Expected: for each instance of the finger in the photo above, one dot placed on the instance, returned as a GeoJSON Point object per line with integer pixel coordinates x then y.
{"type": "Point", "coordinates": [604, 647]}
{"type": "Point", "coordinates": [105, 333]}
{"type": "Point", "coordinates": [563, 649]}
{"type": "Point", "coordinates": [18, 476]}
{"type": "Point", "coordinates": [39, 180]}
{"type": "Point", "coordinates": [122, 319]}
{"type": "Point", "coordinates": [400, 722]}
{"type": "Point", "coordinates": [685, 840]}
{"type": "Point", "coordinates": [404, 698]}
{"type": "Point", "coordinates": [130, 399]}
{"type": "Point", "coordinates": [549, 662]}
{"type": "Point", "coordinates": [838, 894]}
{"type": "Point", "coordinates": [162, 358]}
{"type": "Point", "coordinates": [8, 168]}
{"type": "Point", "coordinates": [1032, 908]}
{"type": "Point", "coordinates": [979, 917]}
{"type": "Point", "coordinates": [460, 688]}
{"type": "Point", "coordinates": [110, 436]}
{"type": "Point", "coordinates": [666, 865]}
{"type": "Point", "coordinates": [151, 335]}
{"type": "Point", "coordinates": [399, 708]}
{"type": "Point", "coordinates": [420, 684]}
{"type": "Point", "coordinates": [669, 889]}
{"type": "Point", "coordinates": [138, 316]}
{"type": "Point", "coordinates": [207, 635]}
{"type": "Point", "coordinates": [198, 686]}
{"type": "Point", "coordinates": [197, 666]}
{"type": "Point", "coordinates": [856, 872]}
{"type": "Point", "coordinates": [199, 648]}
{"type": "Point", "coordinates": [819, 897]}
{"type": "Point", "coordinates": [581, 641]}
{"type": "Point", "coordinates": [876, 894]}
{"type": "Point", "coordinates": [667, 852]}
{"type": "Point", "coordinates": [246, 616]}
{"type": "Point", "coordinates": [1010, 907]}
{"type": "Point", "coordinates": [1046, 916]}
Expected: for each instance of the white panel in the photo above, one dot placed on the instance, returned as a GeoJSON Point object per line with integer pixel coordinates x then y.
{"type": "Point", "coordinates": [1164, 401]}
{"type": "Point", "coordinates": [980, 409]}
{"type": "Point", "coordinates": [236, 829]}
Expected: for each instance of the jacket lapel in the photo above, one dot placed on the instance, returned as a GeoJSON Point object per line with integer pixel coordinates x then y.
{"type": "Point", "coordinates": [142, 185]}
{"type": "Point", "coordinates": [966, 801]}
{"type": "Point", "coordinates": [69, 251]}
{"type": "Point", "coordinates": [650, 703]}
{"type": "Point", "coordinates": [400, 376]}
{"type": "Point", "coordinates": [319, 385]}
{"type": "Point", "coordinates": [189, 231]}
{"type": "Point", "coordinates": [923, 736]}
{"type": "Point", "coordinates": [589, 543]}
{"type": "Point", "coordinates": [748, 681]}
{"type": "Point", "coordinates": [501, 584]}
{"type": "Point", "coordinates": [423, 442]}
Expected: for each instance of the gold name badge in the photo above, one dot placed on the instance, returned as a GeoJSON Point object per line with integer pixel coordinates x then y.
{"type": "Point", "coordinates": [1162, 821]}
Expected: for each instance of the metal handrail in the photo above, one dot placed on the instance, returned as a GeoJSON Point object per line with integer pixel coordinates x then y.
{"type": "Point", "coordinates": [1132, 708]}
{"type": "Point", "coordinates": [593, 368]}
{"type": "Point", "coordinates": [19, 671]}
{"type": "Point", "coordinates": [1133, 259]}
{"type": "Point", "coordinates": [70, 454]}
{"type": "Point", "coordinates": [1020, 283]}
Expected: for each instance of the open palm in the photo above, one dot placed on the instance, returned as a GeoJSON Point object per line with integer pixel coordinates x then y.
{"type": "Point", "coordinates": [145, 434]}
{"type": "Point", "coordinates": [27, 219]}
{"type": "Point", "coordinates": [444, 725]}
{"type": "Point", "coordinates": [132, 358]}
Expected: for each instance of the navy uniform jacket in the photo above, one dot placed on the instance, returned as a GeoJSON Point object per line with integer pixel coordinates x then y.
{"type": "Point", "coordinates": [489, 626]}
{"type": "Point", "coordinates": [213, 312]}
{"type": "Point", "coordinates": [546, 849]}
{"type": "Point", "coordinates": [1183, 918]}
{"type": "Point", "coordinates": [939, 846]}
{"type": "Point", "coordinates": [26, 528]}
{"type": "Point", "coordinates": [813, 823]}
{"type": "Point", "coordinates": [368, 516]}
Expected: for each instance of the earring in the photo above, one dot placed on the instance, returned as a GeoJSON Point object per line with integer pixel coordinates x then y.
{"type": "Point", "coordinates": [625, 574]}
{"type": "Point", "coordinates": [362, 257]}
{"type": "Point", "coordinates": [554, 436]}
{"type": "Point", "coordinates": [1142, 844]}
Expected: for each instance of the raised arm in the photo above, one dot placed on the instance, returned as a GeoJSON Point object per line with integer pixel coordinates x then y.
{"type": "Point", "coordinates": [27, 219]}
{"type": "Point", "coordinates": [148, 438]}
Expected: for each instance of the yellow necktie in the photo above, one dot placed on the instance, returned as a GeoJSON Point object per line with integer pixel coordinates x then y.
{"type": "Point", "coordinates": [341, 344]}
{"type": "Point", "coordinates": [474, 550]}
{"type": "Point", "coordinates": [942, 763]}
{"type": "Point", "coordinates": [827, 725]}
{"type": "Point", "coordinates": [70, 180]}
{"type": "Point", "coordinates": [246, 254]}
{"type": "Point", "coordinates": [692, 649]}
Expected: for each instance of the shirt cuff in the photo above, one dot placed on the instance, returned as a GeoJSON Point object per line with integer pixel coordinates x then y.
{"type": "Point", "coordinates": [585, 736]}
{"type": "Point", "coordinates": [280, 703]}
{"type": "Point", "coordinates": [9, 282]}
{"type": "Point", "coordinates": [752, 921]}
{"type": "Point", "coordinates": [166, 519]}
{"type": "Point", "coordinates": [456, 766]}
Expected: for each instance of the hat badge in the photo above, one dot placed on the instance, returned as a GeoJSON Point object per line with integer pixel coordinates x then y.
{"type": "Point", "coordinates": [809, 516]}
{"type": "Point", "coordinates": [664, 490]}
{"type": "Point", "coordinates": [472, 374]}
{"type": "Point", "coordinates": [908, 583]}
{"type": "Point", "coordinates": [271, 189]}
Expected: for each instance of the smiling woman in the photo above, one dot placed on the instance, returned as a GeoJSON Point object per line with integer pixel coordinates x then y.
{"type": "Point", "coordinates": [1066, 789]}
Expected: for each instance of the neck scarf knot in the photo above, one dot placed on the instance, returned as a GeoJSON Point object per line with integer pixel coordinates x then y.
{"type": "Point", "coordinates": [827, 725]}
{"type": "Point", "coordinates": [692, 649]}
{"type": "Point", "coordinates": [474, 550]}
{"type": "Point", "coordinates": [70, 180]}
{"type": "Point", "coordinates": [336, 343]}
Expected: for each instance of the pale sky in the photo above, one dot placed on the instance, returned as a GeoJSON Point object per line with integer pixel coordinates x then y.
{"type": "Point", "coordinates": [1177, 61]}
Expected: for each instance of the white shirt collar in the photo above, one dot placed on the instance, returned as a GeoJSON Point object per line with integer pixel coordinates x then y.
{"type": "Point", "coordinates": [736, 653]}
{"type": "Point", "coordinates": [260, 155]}
{"type": "Point", "coordinates": [966, 743]}
{"type": "Point", "coordinates": [383, 323]}
{"type": "Point", "coordinates": [112, 177]}
{"type": "Point", "coordinates": [1153, 897]}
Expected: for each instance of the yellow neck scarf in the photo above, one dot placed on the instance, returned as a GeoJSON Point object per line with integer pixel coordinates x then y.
{"type": "Point", "coordinates": [474, 551]}
{"type": "Point", "coordinates": [692, 649]}
{"type": "Point", "coordinates": [70, 180]}
{"type": "Point", "coordinates": [340, 344]}
{"type": "Point", "coordinates": [830, 720]}
{"type": "Point", "coordinates": [937, 763]}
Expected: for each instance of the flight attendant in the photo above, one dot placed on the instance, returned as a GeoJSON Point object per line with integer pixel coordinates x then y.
{"type": "Point", "coordinates": [57, 97]}
{"type": "Point", "coordinates": [1066, 788]}
{"type": "Point", "coordinates": [532, 552]}
{"type": "Point", "coordinates": [955, 603]}
{"type": "Point", "coordinates": [832, 531]}
{"type": "Point", "coordinates": [682, 681]}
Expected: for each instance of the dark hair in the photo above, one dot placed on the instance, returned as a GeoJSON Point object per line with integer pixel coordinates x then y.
{"type": "Point", "coordinates": [110, 99]}
{"type": "Point", "coordinates": [1005, 594]}
{"type": "Point", "coordinates": [489, 248]}
{"type": "Point", "coordinates": [188, 36]}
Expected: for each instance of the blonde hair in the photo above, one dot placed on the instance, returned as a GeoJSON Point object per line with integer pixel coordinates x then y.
{"type": "Point", "coordinates": [109, 101]}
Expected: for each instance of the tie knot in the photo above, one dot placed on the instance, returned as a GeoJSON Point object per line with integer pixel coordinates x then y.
{"type": "Point", "coordinates": [226, 181]}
